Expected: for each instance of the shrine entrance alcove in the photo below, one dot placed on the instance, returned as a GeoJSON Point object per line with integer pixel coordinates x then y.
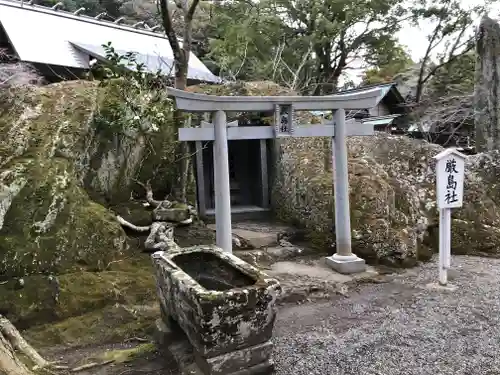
{"type": "Point", "coordinates": [249, 162]}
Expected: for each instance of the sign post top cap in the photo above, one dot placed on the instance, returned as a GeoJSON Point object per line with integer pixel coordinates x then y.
{"type": "Point", "coordinates": [448, 152]}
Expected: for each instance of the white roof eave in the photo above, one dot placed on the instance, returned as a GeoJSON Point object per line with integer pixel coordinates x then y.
{"type": "Point", "coordinates": [59, 35]}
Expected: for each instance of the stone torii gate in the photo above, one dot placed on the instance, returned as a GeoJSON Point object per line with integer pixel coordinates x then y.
{"type": "Point", "coordinates": [220, 132]}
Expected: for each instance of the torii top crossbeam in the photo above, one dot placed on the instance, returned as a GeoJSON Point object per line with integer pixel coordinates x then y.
{"type": "Point", "coordinates": [192, 102]}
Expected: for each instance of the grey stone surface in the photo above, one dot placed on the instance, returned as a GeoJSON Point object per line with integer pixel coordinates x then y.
{"type": "Point", "coordinates": [236, 361]}
{"type": "Point", "coordinates": [220, 302]}
{"type": "Point", "coordinates": [258, 234]}
{"type": "Point", "coordinates": [311, 269]}
{"type": "Point", "coordinates": [258, 258]}
{"type": "Point", "coordinates": [400, 327]}
{"type": "Point", "coordinates": [172, 214]}
{"type": "Point", "coordinates": [310, 278]}
{"type": "Point", "coordinates": [286, 250]}
{"type": "Point", "coordinates": [257, 240]}
{"type": "Point", "coordinates": [179, 348]}
{"type": "Point", "coordinates": [346, 266]}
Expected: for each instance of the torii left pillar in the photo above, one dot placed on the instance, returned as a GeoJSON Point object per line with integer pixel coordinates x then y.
{"type": "Point", "coordinates": [224, 237]}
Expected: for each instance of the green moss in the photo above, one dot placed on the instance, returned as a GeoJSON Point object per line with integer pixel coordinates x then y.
{"type": "Point", "coordinates": [110, 324]}
{"type": "Point", "coordinates": [52, 226]}
{"type": "Point", "coordinates": [128, 282]}
{"type": "Point", "coordinates": [128, 355]}
{"type": "Point", "coordinates": [134, 212]}
{"type": "Point", "coordinates": [180, 206]}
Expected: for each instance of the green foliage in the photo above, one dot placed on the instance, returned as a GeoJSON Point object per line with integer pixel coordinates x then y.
{"type": "Point", "coordinates": [304, 45]}
{"type": "Point", "coordinates": [142, 95]}
{"type": "Point", "coordinates": [455, 78]}
{"type": "Point", "coordinates": [243, 50]}
{"type": "Point", "coordinates": [450, 34]}
{"type": "Point", "coordinates": [388, 65]}
{"type": "Point", "coordinates": [137, 106]}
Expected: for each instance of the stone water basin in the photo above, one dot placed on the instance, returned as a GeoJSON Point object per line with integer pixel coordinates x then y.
{"type": "Point", "coordinates": [225, 306]}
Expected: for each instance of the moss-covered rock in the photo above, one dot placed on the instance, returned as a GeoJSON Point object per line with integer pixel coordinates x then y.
{"type": "Point", "coordinates": [44, 299]}
{"type": "Point", "coordinates": [113, 323]}
{"type": "Point", "coordinates": [47, 221]}
{"type": "Point", "coordinates": [134, 212]}
{"type": "Point", "coordinates": [173, 214]}
{"type": "Point", "coordinates": [68, 150]}
{"type": "Point", "coordinates": [392, 197]}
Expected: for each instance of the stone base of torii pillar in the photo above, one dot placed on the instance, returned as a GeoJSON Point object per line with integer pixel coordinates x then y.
{"type": "Point", "coordinates": [346, 264]}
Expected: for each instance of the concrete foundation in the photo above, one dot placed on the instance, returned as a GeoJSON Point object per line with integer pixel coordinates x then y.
{"type": "Point", "coordinates": [346, 264]}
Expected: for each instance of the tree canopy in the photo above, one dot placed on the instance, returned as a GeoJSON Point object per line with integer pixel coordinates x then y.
{"type": "Point", "coordinates": [311, 45]}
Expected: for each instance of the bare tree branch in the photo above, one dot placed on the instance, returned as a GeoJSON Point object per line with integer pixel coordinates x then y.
{"type": "Point", "coordinates": [191, 10]}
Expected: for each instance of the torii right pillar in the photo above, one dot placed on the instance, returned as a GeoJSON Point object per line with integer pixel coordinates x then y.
{"type": "Point", "coordinates": [343, 261]}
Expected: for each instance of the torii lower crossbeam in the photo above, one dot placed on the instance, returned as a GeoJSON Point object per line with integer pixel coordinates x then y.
{"type": "Point", "coordinates": [268, 132]}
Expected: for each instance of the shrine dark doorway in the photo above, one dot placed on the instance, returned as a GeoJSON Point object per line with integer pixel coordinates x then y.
{"type": "Point", "coordinates": [248, 166]}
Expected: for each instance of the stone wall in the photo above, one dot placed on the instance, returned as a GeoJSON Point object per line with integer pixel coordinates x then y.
{"type": "Point", "coordinates": [392, 194]}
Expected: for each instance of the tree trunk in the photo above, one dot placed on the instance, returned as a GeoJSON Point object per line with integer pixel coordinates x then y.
{"type": "Point", "coordinates": [9, 363]}
{"type": "Point", "coordinates": [487, 87]}
{"type": "Point", "coordinates": [181, 60]}
{"type": "Point", "coordinates": [180, 188]}
{"type": "Point", "coordinates": [181, 69]}
{"type": "Point", "coordinates": [185, 165]}
{"type": "Point", "coordinates": [12, 341]}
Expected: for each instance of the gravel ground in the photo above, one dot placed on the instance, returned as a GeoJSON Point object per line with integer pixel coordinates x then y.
{"type": "Point", "coordinates": [400, 327]}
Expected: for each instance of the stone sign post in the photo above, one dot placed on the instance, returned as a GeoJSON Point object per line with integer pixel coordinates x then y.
{"type": "Point", "coordinates": [284, 126]}
{"type": "Point", "coordinates": [449, 194]}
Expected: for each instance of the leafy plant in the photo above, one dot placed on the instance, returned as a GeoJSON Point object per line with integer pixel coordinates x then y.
{"type": "Point", "coordinates": [143, 103]}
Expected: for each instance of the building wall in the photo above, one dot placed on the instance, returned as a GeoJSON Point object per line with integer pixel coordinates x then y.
{"type": "Point", "coordinates": [380, 110]}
